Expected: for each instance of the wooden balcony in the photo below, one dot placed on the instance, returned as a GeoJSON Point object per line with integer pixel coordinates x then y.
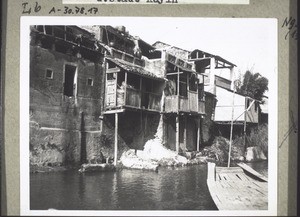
{"type": "Point", "coordinates": [191, 104]}
{"type": "Point", "coordinates": [201, 107]}
{"type": "Point", "coordinates": [135, 99]}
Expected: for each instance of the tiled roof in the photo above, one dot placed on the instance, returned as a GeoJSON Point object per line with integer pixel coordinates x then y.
{"type": "Point", "coordinates": [129, 67]}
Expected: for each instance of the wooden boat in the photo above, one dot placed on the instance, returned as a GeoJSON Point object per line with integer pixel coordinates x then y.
{"type": "Point", "coordinates": [237, 188]}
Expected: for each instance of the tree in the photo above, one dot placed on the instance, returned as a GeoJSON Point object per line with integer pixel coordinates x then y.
{"type": "Point", "coordinates": [253, 85]}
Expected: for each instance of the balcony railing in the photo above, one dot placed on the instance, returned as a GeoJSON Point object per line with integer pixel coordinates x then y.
{"type": "Point", "coordinates": [133, 98]}
{"type": "Point", "coordinates": [174, 104]}
{"type": "Point", "coordinates": [201, 107]}
{"type": "Point", "coordinates": [127, 57]}
{"type": "Point", "coordinates": [136, 99]}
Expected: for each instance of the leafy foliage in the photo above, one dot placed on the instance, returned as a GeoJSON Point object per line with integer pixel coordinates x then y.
{"type": "Point", "coordinates": [253, 85]}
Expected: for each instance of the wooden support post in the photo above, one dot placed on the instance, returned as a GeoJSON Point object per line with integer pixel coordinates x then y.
{"type": "Point", "coordinates": [105, 90]}
{"type": "Point", "coordinates": [245, 134]}
{"type": "Point", "coordinates": [125, 89]}
{"type": "Point", "coordinates": [231, 78]}
{"type": "Point", "coordinates": [141, 94]}
{"type": "Point", "coordinates": [231, 129]}
{"type": "Point", "coordinates": [163, 128]}
{"type": "Point", "coordinates": [116, 89]}
{"type": "Point", "coordinates": [185, 133]}
{"type": "Point", "coordinates": [177, 133]}
{"type": "Point", "coordinates": [187, 91]}
{"type": "Point", "coordinates": [65, 33]}
{"type": "Point", "coordinates": [178, 82]}
{"type": "Point", "coordinates": [198, 134]}
{"type": "Point", "coordinates": [212, 75]}
{"type": "Point", "coordinates": [116, 139]}
{"type": "Point", "coordinates": [197, 95]}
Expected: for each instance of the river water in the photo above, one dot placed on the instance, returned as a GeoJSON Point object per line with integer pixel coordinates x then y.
{"type": "Point", "coordinates": [169, 189]}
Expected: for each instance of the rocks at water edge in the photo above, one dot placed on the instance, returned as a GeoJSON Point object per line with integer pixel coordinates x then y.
{"type": "Point", "coordinates": [255, 154]}
{"type": "Point", "coordinates": [129, 159]}
{"type": "Point", "coordinates": [96, 167]}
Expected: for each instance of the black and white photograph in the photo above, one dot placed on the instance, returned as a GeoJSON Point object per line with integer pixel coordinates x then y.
{"type": "Point", "coordinates": [148, 116]}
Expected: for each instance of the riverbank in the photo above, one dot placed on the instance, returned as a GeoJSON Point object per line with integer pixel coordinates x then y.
{"type": "Point", "coordinates": [143, 160]}
{"type": "Point", "coordinates": [155, 155]}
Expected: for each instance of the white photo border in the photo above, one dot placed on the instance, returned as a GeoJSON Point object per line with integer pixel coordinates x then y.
{"type": "Point", "coordinates": [25, 24]}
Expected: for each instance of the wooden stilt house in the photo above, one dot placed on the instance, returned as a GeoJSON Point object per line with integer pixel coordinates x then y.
{"type": "Point", "coordinates": [184, 105]}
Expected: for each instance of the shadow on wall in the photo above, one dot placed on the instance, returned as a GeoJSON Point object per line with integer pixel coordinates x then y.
{"type": "Point", "coordinates": [135, 129]}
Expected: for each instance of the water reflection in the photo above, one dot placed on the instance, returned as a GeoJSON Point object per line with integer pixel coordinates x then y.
{"type": "Point", "coordinates": [169, 189]}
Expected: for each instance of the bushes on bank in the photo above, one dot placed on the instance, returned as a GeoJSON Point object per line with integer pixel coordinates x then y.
{"type": "Point", "coordinates": [257, 138]}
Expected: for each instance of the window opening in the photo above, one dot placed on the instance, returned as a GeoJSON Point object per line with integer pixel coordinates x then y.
{"type": "Point", "coordinates": [49, 73]}
{"type": "Point", "coordinates": [121, 79]}
{"type": "Point", "coordinates": [133, 81]}
{"type": "Point", "coordinates": [147, 89]}
{"type": "Point", "coordinates": [69, 82]}
{"type": "Point", "coordinates": [111, 76]}
{"type": "Point", "coordinates": [171, 86]}
{"type": "Point", "coordinates": [90, 82]}
{"type": "Point", "coordinates": [193, 82]}
{"type": "Point", "coordinates": [201, 92]}
{"type": "Point", "coordinates": [183, 85]}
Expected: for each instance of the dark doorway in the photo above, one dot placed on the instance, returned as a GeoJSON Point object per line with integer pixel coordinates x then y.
{"type": "Point", "coordinates": [69, 83]}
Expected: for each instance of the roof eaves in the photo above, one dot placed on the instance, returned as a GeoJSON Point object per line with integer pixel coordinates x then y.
{"type": "Point", "coordinates": [134, 69]}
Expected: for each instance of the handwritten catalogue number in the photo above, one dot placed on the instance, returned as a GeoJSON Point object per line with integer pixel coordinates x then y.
{"type": "Point", "coordinates": [75, 10]}
{"type": "Point", "coordinates": [28, 8]}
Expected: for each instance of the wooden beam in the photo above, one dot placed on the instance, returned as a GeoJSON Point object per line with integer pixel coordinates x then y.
{"type": "Point", "coordinates": [113, 111]}
{"type": "Point", "coordinates": [223, 67]}
{"type": "Point", "coordinates": [113, 70]}
{"type": "Point", "coordinates": [116, 138]}
{"type": "Point", "coordinates": [174, 73]}
{"type": "Point", "coordinates": [199, 59]}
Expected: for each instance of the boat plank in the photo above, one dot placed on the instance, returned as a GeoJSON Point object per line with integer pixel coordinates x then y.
{"type": "Point", "coordinates": [252, 171]}
{"type": "Point", "coordinates": [234, 190]}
